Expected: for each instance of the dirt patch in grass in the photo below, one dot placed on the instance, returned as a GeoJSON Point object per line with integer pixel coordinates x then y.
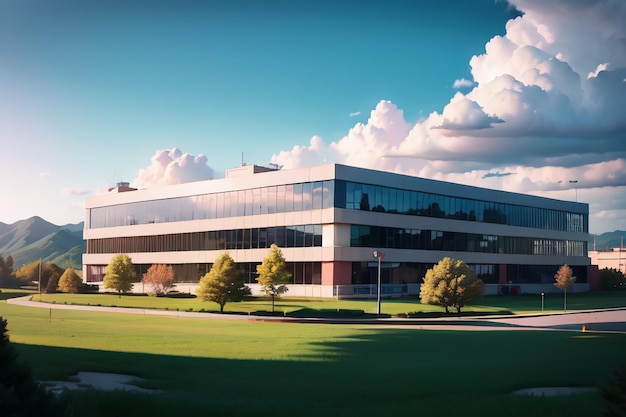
{"type": "Point", "coordinates": [96, 380]}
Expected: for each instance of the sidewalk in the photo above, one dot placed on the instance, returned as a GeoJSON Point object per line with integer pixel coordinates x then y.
{"type": "Point", "coordinates": [613, 320]}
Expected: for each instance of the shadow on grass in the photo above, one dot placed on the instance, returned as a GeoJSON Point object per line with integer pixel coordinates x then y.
{"type": "Point", "coordinates": [369, 372]}
{"type": "Point", "coordinates": [5, 295]}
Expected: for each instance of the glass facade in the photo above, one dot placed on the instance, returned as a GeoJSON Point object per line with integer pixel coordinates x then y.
{"type": "Point", "coordinates": [301, 272]}
{"type": "Point", "coordinates": [250, 202]}
{"type": "Point", "coordinates": [327, 194]}
{"type": "Point", "coordinates": [309, 235]}
{"type": "Point", "coordinates": [389, 237]}
{"type": "Point", "coordinates": [357, 196]}
{"type": "Point", "coordinates": [365, 273]}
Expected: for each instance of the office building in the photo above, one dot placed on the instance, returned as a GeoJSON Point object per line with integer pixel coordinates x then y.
{"type": "Point", "coordinates": [328, 220]}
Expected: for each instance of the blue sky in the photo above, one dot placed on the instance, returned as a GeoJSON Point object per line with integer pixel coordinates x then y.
{"type": "Point", "coordinates": [159, 92]}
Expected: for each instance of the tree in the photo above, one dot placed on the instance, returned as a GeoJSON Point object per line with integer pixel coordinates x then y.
{"type": "Point", "coordinates": [160, 278]}
{"type": "Point", "coordinates": [564, 280]}
{"type": "Point", "coordinates": [7, 275]}
{"type": "Point", "coordinates": [120, 274]}
{"type": "Point", "coordinates": [223, 283]}
{"type": "Point", "coordinates": [273, 274]}
{"type": "Point", "coordinates": [450, 283]}
{"type": "Point", "coordinates": [50, 273]}
{"type": "Point", "coordinates": [612, 279]}
{"type": "Point", "coordinates": [70, 281]}
{"type": "Point", "coordinates": [20, 394]}
{"type": "Point", "coordinates": [615, 394]}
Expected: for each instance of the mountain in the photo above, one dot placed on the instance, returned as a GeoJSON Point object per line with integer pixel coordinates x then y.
{"type": "Point", "coordinates": [35, 238]}
{"type": "Point", "coordinates": [607, 240]}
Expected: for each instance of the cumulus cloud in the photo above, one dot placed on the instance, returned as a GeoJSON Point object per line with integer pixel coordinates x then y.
{"type": "Point", "coordinates": [465, 114]}
{"type": "Point", "coordinates": [546, 103]}
{"type": "Point", "coordinates": [172, 166]}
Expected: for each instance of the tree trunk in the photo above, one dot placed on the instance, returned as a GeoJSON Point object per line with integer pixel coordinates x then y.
{"type": "Point", "coordinates": [565, 300]}
{"type": "Point", "coordinates": [222, 307]}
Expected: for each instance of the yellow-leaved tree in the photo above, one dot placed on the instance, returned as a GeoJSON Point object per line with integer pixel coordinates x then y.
{"type": "Point", "coordinates": [451, 284]}
{"type": "Point", "coordinates": [273, 273]}
{"type": "Point", "coordinates": [564, 280]}
{"type": "Point", "coordinates": [120, 274]}
{"type": "Point", "coordinates": [70, 281]}
{"type": "Point", "coordinates": [223, 283]}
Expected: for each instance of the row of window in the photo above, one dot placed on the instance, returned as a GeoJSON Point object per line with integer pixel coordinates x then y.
{"type": "Point", "coordinates": [266, 200]}
{"type": "Point", "coordinates": [390, 237]}
{"type": "Point", "coordinates": [256, 238]}
{"type": "Point", "coordinates": [363, 273]}
{"type": "Point", "coordinates": [327, 194]}
{"type": "Point", "coordinates": [301, 272]}
{"type": "Point", "coordinates": [391, 200]}
{"type": "Point", "coordinates": [413, 272]}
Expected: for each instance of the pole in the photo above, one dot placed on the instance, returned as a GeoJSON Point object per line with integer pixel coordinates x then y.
{"type": "Point", "coordinates": [542, 295]}
{"type": "Point", "coordinates": [378, 255]}
{"type": "Point", "coordinates": [39, 281]}
{"type": "Point", "coordinates": [378, 305]}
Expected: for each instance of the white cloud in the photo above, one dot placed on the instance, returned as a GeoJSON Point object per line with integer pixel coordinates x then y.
{"type": "Point", "coordinates": [462, 83]}
{"type": "Point", "coordinates": [354, 114]}
{"type": "Point", "coordinates": [76, 191]}
{"type": "Point", "coordinates": [545, 104]}
{"type": "Point", "coordinates": [600, 68]}
{"type": "Point", "coordinates": [465, 114]}
{"type": "Point", "coordinates": [172, 166]}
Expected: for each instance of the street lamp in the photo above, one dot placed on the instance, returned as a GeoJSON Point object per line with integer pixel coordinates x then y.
{"type": "Point", "coordinates": [542, 295]}
{"type": "Point", "coordinates": [378, 255]}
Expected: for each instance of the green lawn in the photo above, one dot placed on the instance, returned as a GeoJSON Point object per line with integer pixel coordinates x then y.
{"type": "Point", "coordinates": [241, 368]}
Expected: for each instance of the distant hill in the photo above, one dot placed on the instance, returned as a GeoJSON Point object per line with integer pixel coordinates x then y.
{"type": "Point", "coordinates": [35, 238]}
{"type": "Point", "coordinates": [607, 240]}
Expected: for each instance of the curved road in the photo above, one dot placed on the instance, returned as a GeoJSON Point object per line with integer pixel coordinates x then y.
{"type": "Point", "coordinates": [610, 320]}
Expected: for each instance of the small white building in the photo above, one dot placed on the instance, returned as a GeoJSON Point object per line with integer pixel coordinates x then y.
{"type": "Point", "coordinates": [613, 259]}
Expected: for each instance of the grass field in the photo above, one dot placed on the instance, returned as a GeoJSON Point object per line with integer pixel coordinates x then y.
{"type": "Point", "coordinates": [241, 368]}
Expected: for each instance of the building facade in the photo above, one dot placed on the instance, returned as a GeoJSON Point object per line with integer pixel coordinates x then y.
{"type": "Point", "coordinates": [328, 220]}
{"type": "Point", "coordinates": [614, 258]}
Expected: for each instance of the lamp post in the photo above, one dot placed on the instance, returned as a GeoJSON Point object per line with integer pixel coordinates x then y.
{"type": "Point", "coordinates": [378, 255]}
{"type": "Point", "coordinates": [542, 295]}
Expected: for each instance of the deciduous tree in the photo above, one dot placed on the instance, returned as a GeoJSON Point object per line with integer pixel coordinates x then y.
{"type": "Point", "coordinates": [7, 275]}
{"type": "Point", "coordinates": [70, 281]}
{"type": "Point", "coordinates": [50, 273]}
{"type": "Point", "coordinates": [564, 280]}
{"type": "Point", "coordinates": [120, 274]}
{"type": "Point", "coordinates": [223, 283]}
{"type": "Point", "coordinates": [450, 284]}
{"type": "Point", "coordinates": [614, 394]}
{"type": "Point", "coordinates": [160, 278]}
{"type": "Point", "coordinates": [273, 274]}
